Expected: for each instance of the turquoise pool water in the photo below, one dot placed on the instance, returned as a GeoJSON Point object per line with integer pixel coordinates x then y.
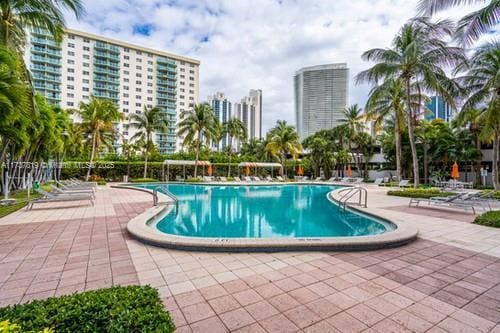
{"type": "Point", "coordinates": [262, 212]}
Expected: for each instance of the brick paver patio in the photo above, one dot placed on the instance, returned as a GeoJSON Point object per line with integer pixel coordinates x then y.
{"type": "Point", "coordinates": [436, 284]}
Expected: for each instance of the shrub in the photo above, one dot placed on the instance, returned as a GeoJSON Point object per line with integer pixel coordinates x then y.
{"type": "Point", "coordinates": [419, 193]}
{"type": "Point", "coordinates": [143, 180]}
{"type": "Point", "coordinates": [490, 219]}
{"type": "Point", "coordinates": [117, 309]}
{"type": "Point", "coordinates": [193, 180]}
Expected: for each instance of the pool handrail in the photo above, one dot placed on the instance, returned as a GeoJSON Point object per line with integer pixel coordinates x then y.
{"type": "Point", "coordinates": [350, 192]}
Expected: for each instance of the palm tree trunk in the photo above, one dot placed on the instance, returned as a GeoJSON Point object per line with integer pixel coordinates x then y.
{"type": "Point", "coordinates": [478, 161]}
{"type": "Point", "coordinates": [146, 158]}
{"type": "Point", "coordinates": [398, 150]}
{"type": "Point", "coordinates": [230, 155]}
{"type": "Point", "coordinates": [91, 156]}
{"type": "Point", "coordinates": [198, 147]}
{"type": "Point", "coordinates": [411, 134]}
{"type": "Point", "coordinates": [494, 171]}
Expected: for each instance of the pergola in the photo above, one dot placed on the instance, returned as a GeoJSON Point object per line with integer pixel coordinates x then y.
{"type": "Point", "coordinates": [259, 165]}
{"type": "Point", "coordinates": [183, 163]}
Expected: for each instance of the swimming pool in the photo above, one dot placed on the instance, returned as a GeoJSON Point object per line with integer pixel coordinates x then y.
{"type": "Point", "coordinates": [262, 211]}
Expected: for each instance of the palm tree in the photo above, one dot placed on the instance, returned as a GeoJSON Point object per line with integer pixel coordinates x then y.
{"type": "Point", "coordinates": [386, 101]}
{"type": "Point", "coordinates": [418, 57]}
{"type": "Point", "coordinates": [355, 123]}
{"type": "Point", "coordinates": [16, 16]}
{"type": "Point", "coordinates": [283, 140]}
{"type": "Point", "coordinates": [198, 126]}
{"type": "Point", "coordinates": [97, 118]}
{"type": "Point", "coordinates": [483, 87]}
{"type": "Point", "coordinates": [234, 129]}
{"type": "Point", "coordinates": [367, 145]}
{"type": "Point", "coordinates": [473, 25]}
{"type": "Point", "coordinates": [151, 120]}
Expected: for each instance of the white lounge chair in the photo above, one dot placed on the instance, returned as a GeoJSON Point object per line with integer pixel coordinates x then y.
{"type": "Point", "coordinates": [49, 197]}
{"type": "Point", "coordinates": [223, 179]}
{"type": "Point", "coordinates": [279, 178]}
{"type": "Point", "coordinates": [457, 200]}
{"type": "Point", "coordinates": [256, 179]}
{"type": "Point", "coordinates": [318, 179]}
{"type": "Point", "coordinates": [57, 190]}
{"type": "Point", "coordinates": [358, 180]}
{"type": "Point", "coordinates": [404, 183]}
{"type": "Point", "coordinates": [269, 179]}
{"type": "Point", "coordinates": [237, 179]}
{"type": "Point", "coordinates": [378, 181]}
{"type": "Point", "coordinates": [247, 179]}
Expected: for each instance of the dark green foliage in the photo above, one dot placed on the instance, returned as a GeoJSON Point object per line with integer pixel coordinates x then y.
{"type": "Point", "coordinates": [143, 180]}
{"type": "Point", "coordinates": [490, 219]}
{"type": "Point", "coordinates": [117, 309]}
{"type": "Point", "coordinates": [419, 193]}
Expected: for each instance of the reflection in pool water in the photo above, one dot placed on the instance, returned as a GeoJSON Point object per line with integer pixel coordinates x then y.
{"type": "Point", "coordinates": [262, 212]}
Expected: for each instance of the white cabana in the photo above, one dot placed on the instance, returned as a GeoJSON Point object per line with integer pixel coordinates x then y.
{"type": "Point", "coordinates": [182, 163]}
{"type": "Point", "coordinates": [256, 165]}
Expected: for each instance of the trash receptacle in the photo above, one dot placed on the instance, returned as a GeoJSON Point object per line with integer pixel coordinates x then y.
{"type": "Point", "coordinates": [125, 179]}
{"type": "Point", "coordinates": [36, 185]}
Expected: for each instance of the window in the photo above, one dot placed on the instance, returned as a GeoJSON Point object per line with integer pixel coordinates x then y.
{"type": "Point", "coordinates": [138, 89]}
{"type": "Point", "coordinates": [183, 83]}
{"type": "Point", "coordinates": [125, 95]}
{"type": "Point", "coordinates": [150, 99]}
{"type": "Point", "coordinates": [126, 57]}
{"type": "Point", "coordinates": [125, 102]}
{"type": "Point", "coordinates": [125, 132]}
{"type": "Point", "coordinates": [191, 84]}
{"type": "Point", "coordinates": [191, 78]}
{"type": "Point", "coordinates": [71, 70]}
{"type": "Point", "coordinates": [71, 87]}
{"type": "Point", "coordinates": [138, 59]}
{"type": "Point", "coordinates": [86, 56]}
{"type": "Point", "coordinates": [86, 64]}
{"type": "Point", "coordinates": [125, 79]}
{"type": "Point", "coordinates": [71, 53]}
{"type": "Point", "coordinates": [126, 49]}
{"type": "Point", "coordinates": [182, 90]}
{"type": "Point", "coordinates": [138, 82]}
{"type": "Point", "coordinates": [150, 84]}
{"type": "Point", "coordinates": [70, 78]}
{"type": "Point", "coordinates": [138, 52]}
{"type": "Point", "coordinates": [191, 98]}
{"type": "Point", "coordinates": [125, 110]}
{"type": "Point", "coordinates": [150, 77]}
{"type": "Point", "coordinates": [138, 97]}
{"type": "Point", "coordinates": [126, 65]}
{"type": "Point", "coordinates": [182, 70]}
{"type": "Point", "coordinates": [138, 67]}
{"type": "Point", "coordinates": [85, 96]}
{"type": "Point", "coordinates": [70, 103]}
{"type": "Point", "coordinates": [150, 70]}
{"type": "Point", "coordinates": [71, 36]}
{"type": "Point", "coordinates": [150, 62]}
{"type": "Point", "coordinates": [85, 40]}
{"type": "Point", "coordinates": [125, 88]}
{"type": "Point", "coordinates": [86, 73]}
{"type": "Point", "coordinates": [138, 104]}
{"type": "Point", "coordinates": [191, 65]}
{"type": "Point", "coordinates": [72, 45]}
{"type": "Point", "coordinates": [126, 72]}
{"type": "Point", "coordinates": [150, 105]}
{"type": "Point", "coordinates": [138, 75]}
{"type": "Point", "coordinates": [150, 55]}
{"type": "Point", "coordinates": [181, 103]}
{"type": "Point", "coordinates": [86, 48]}
{"type": "Point", "coordinates": [85, 81]}
{"type": "Point", "coordinates": [85, 89]}
{"type": "Point", "coordinates": [183, 63]}
{"type": "Point", "coordinates": [71, 62]}
{"type": "Point", "coordinates": [70, 95]}
{"type": "Point", "coordinates": [150, 91]}
{"type": "Point", "coordinates": [181, 96]}
{"type": "Point", "coordinates": [183, 76]}
{"type": "Point", "coordinates": [191, 71]}
{"type": "Point", "coordinates": [191, 91]}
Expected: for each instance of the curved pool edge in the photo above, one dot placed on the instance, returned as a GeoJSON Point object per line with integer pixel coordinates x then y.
{"type": "Point", "coordinates": [139, 227]}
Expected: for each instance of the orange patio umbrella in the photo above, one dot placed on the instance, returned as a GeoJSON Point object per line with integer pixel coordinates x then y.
{"type": "Point", "coordinates": [209, 170]}
{"type": "Point", "coordinates": [349, 171]}
{"type": "Point", "coordinates": [454, 171]}
{"type": "Point", "coordinates": [247, 171]}
{"type": "Point", "coordinates": [300, 170]}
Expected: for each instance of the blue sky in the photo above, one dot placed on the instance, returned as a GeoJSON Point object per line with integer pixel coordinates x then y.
{"type": "Point", "coordinates": [255, 44]}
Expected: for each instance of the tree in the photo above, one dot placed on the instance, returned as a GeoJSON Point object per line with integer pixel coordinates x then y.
{"type": "Point", "coordinates": [97, 118]}
{"type": "Point", "coordinates": [483, 89]}
{"type": "Point", "coordinates": [17, 16]}
{"type": "Point", "coordinates": [151, 120]}
{"type": "Point", "coordinates": [234, 129]}
{"type": "Point", "coordinates": [472, 26]}
{"type": "Point", "coordinates": [367, 146]}
{"type": "Point", "coordinates": [355, 124]}
{"type": "Point", "coordinates": [283, 140]}
{"type": "Point", "coordinates": [386, 101]}
{"type": "Point", "coordinates": [320, 147]}
{"type": "Point", "coordinates": [418, 57]}
{"type": "Point", "coordinates": [198, 126]}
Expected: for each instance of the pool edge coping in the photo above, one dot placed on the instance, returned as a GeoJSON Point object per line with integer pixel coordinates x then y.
{"type": "Point", "coordinates": [139, 227]}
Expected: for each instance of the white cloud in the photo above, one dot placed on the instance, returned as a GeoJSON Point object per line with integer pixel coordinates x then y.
{"type": "Point", "coordinates": [256, 44]}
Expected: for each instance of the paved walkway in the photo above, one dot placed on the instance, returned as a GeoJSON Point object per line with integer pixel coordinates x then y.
{"type": "Point", "coordinates": [447, 281]}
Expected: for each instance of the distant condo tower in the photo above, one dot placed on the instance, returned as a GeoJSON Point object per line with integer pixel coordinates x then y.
{"type": "Point", "coordinates": [222, 108]}
{"type": "Point", "coordinates": [320, 97]}
{"type": "Point", "coordinates": [249, 111]}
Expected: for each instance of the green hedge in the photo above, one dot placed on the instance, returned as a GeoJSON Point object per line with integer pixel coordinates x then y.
{"type": "Point", "coordinates": [419, 193]}
{"type": "Point", "coordinates": [117, 309]}
{"type": "Point", "coordinates": [490, 219]}
{"type": "Point", "coordinates": [144, 180]}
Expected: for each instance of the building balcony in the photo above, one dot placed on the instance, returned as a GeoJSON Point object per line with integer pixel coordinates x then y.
{"type": "Point", "coordinates": [166, 97]}
{"type": "Point", "coordinates": [163, 89]}
{"type": "Point", "coordinates": [107, 55]}
{"type": "Point", "coordinates": [166, 61]}
{"type": "Point", "coordinates": [104, 94]}
{"type": "Point", "coordinates": [46, 50]}
{"type": "Point", "coordinates": [107, 63]}
{"type": "Point", "coordinates": [107, 87]}
{"type": "Point", "coordinates": [49, 69]}
{"type": "Point", "coordinates": [54, 61]}
{"type": "Point", "coordinates": [106, 79]}
{"type": "Point", "coordinates": [167, 83]}
{"type": "Point", "coordinates": [161, 76]}
{"type": "Point", "coordinates": [43, 86]}
{"type": "Point", "coordinates": [44, 41]}
{"type": "Point", "coordinates": [46, 77]}
{"type": "Point", "coordinates": [105, 46]}
{"type": "Point", "coordinates": [166, 104]}
{"type": "Point", "coordinates": [105, 71]}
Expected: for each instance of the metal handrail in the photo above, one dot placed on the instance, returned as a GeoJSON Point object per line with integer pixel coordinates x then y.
{"type": "Point", "coordinates": [350, 193]}
{"type": "Point", "coordinates": [167, 192]}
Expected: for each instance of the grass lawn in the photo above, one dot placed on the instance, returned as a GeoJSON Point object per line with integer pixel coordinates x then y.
{"type": "Point", "coordinates": [420, 193]}
{"type": "Point", "coordinates": [490, 219]}
{"type": "Point", "coordinates": [21, 200]}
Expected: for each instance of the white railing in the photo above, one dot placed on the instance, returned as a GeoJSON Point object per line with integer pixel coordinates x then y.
{"type": "Point", "coordinates": [167, 192]}
{"type": "Point", "coordinates": [351, 192]}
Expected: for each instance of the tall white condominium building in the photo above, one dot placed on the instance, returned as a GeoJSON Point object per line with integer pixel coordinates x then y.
{"type": "Point", "coordinates": [222, 108]}
{"type": "Point", "coordinates": [320, 97]}
{"type": "Point", "coordinates": [131, 76]}
{"type": "Point", "coordinates": [249, 111]}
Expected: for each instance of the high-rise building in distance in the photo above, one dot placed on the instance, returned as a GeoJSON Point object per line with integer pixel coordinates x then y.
{"type": "Point", "coordinates": [131, 76]}
{"type": "Point", "coordinates": [320, 97]}
{"type": "Point", "coordinates": [222, 109]}
{"type": "Point", "coordinates": [249, 111]}
{"type": "Point", "coordinates": [439, 109]}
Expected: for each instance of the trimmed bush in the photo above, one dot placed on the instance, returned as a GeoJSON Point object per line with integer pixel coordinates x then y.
{"type": "Point", "coordinates": [144, 180]}
{"type": "Point", "coordinates": [419, 193]}
{"type": "Point", "coordinates": [117, 309]}
{"type": "Point", "coordinates": [489, 219]}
